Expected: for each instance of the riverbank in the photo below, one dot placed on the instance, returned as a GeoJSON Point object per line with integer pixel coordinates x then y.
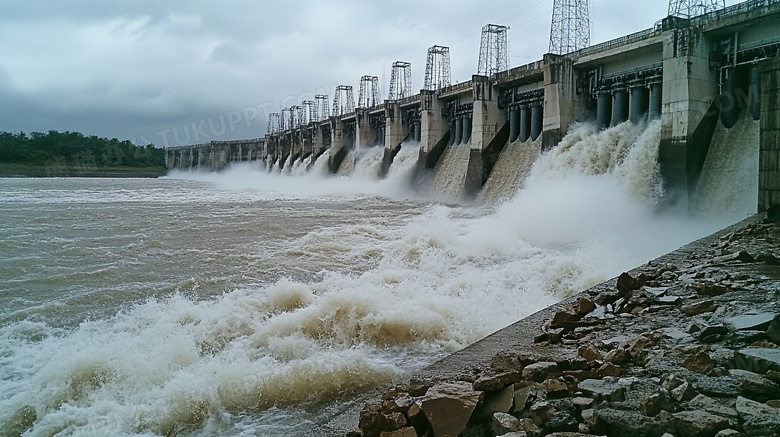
{"type": "Point", "coordinates": [685, 345]}
{"type": "Point", "coordinates": [36, 171]}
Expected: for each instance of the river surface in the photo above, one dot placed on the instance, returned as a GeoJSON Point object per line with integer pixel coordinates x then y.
{"type": "Point", "coordinates": [250, 302]}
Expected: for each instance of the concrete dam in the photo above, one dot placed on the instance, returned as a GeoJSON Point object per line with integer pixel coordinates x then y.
{"type": "Point", "coordinates": [699, 76]}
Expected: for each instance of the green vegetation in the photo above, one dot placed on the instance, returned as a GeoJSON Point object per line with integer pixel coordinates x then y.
{"type": "Point", "coordinates": [73, 154]}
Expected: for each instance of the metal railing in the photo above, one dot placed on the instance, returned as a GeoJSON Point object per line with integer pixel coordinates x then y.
{"type": "Point", "coordinates": [245, 141]}
{"type": "Point", "coordinates": [456, 87]}
{"type": "Point", "coordinates": [408, 100]}
{"type": "Point", "coordinates": [759, 44]}
{"type": "Point", "coordinates": [533, 66]}
{"type": "Point", "coordinates": [730, 11]}
{"type": "Point", "coordinates": [634, 37]}
{"type": "Point", "coordinates": [737, 9]}
{"type": "Point", "coordinates": [258, 141]}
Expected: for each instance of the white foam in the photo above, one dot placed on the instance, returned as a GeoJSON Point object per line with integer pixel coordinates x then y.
{"type": "Point", "coordinates": [627, 152]}
{"type": "Point", "coordinates": [449, 178]}
{"type": "Point", "coordinates": [510, 171]}
{"type": "Point", "coordinates": [320, 165]}
{"type": "Point", "coordinates": [424, 287]}
{"type": "Point", "coordinates": [729, 176]}
{"type": "Point", "coordinates": [287, 167]}
{"type": "Point", "coordinates": [347, 163]}
{"type": "Point", "coordinates": [302, 182]}
{"type": "Point", "coordinates": [276, 167]}
{"type": "Point", "coordinates": [368, 163]}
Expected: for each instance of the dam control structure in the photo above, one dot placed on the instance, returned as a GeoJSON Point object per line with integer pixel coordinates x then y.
{"type": "Point", "coordinates": [700, 66]}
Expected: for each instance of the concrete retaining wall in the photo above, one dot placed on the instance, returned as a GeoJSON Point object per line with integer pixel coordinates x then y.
{"type": "Point", "coordinates": [769, 158]}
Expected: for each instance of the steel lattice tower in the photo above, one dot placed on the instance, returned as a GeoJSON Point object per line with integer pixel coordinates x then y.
{"type": "Point", "coordinates": [570, 29]}
{"type": "Point", "coordinates": [321, 110]}
{"type": "Point", "coordinates": [286, 119]}
{"type": "Point", "coordinates": [274, 123]}
{"type": "Point", "coordinates": [344, 100]}
{"type": "Point", "coordinates": [437, 68]}
{"type": "Point", "coordinates": [400, 80]}
{"type": "Point", "coordinates": [694, 8]}
{"type": "Point", "coordinates": [493, 50]}
{"type": "Point", "coordinates": [368, 95]}
{"type": "Point", "coordinates": [296, 116]}
{"type": "Point", "coordinates": [308, 112]}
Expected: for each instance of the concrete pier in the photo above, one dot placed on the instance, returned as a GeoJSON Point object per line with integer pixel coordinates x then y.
{"type": "Point", "coordinates": [486, 120]}
{"type": "Point", "coordinates": [434, 130]}
{"type": "Point", "coordinates": [365, 135]}
{"type": "Point", "coordinates": [562, 106]}
{"type": "Point", "coordinates": [340, 141]}
{"type": "Point", "coordinates": [689, 91]}
{"type": "Point", "coordinates": [395, 134]}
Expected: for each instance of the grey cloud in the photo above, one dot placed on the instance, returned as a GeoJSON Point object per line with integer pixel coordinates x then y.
{"type": "Point", "coordinates": [132, 68]}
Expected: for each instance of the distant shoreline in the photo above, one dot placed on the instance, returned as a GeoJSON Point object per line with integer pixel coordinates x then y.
{"type": "Point", "coordinates": [41, 171]}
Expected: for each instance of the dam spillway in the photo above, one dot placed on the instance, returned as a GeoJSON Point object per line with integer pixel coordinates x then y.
{"type": "Point", "coordinates": [692, 74]}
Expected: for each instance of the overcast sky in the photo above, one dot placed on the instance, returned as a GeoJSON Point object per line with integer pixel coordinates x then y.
{"type": "Point", "coordinates": [176, 71]}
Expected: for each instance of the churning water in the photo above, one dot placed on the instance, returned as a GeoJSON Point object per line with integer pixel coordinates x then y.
{"type": "Point", "coordinates": [511, 170]}
{"type": "Point", "coordinates": [251, 302]}
{"type": "Point", "coordinates": [730, 170]}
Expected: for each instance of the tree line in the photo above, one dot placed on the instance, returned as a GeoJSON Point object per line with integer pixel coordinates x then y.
{"type": "Point", "coordinates": [72, 149]}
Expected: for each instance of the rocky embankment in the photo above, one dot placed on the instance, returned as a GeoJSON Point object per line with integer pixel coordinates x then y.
{"type": "Point", "coordinates": [686, 345]}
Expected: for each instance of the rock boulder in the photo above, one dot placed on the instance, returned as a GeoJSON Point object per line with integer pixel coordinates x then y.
{"type": "Point", "coordinates": [448, 407]}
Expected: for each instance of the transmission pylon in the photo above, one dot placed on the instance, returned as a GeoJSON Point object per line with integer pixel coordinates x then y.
{"type": "Point", "coordinates": [400, 80]}
{"type": "Point", "coordinates": [368, 95]}
{"type": "Point", "coordinates": [344, 100]}
{"type": "Point", "coordinates": [570, 30]}
{"type": "Point", "coordinates": [493, 50]}
{"type": "Point", "coordinates": [286, 119]}
{"type": "Point", "coordinates": [694, 8]}
{"type": "Point", "coordinates": [296, 116]}
{"type": "Point", "coordinates": [321, 110]}
{"type": "Point", "coordinates": [274, 123]}
{"type": "Point", "coordinates": [308, 112]}
{"type": "Point", "coordinates": [437, 68]}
